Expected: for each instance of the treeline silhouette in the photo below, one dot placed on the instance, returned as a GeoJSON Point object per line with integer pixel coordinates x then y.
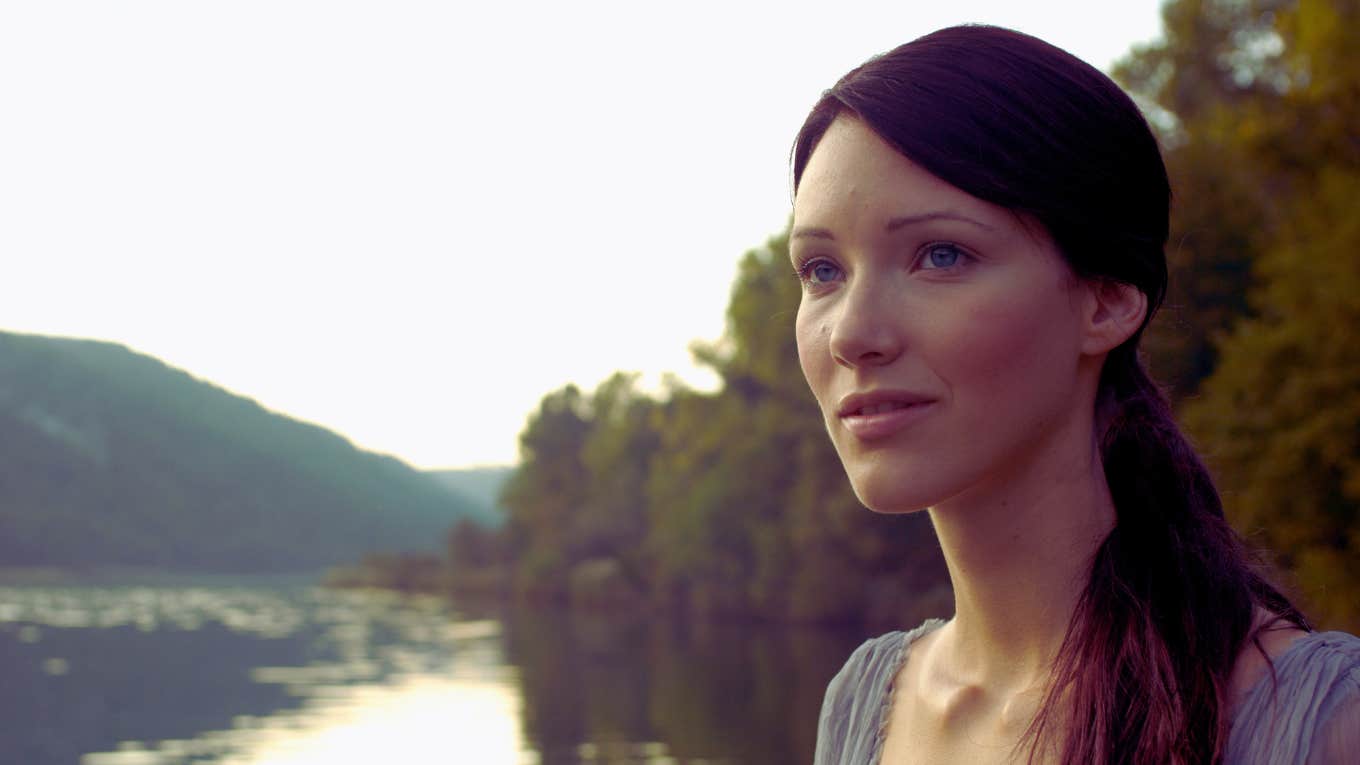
{"type": "Point", "coordinates": [111, 458]}
{"type": "Point", "coordinates": [734, 502]}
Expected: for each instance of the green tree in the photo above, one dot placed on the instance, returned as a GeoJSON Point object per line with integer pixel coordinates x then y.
{"type": "Point", "coordinates": [616, 457]}
{"type": "Point", "coordinates": [546, 494]}
{"type": "Point", "coordinates": [472, 546]}
{"type": "Point", "coordinates": [1217, 68]}
{"type": "Point", "coordinates": [1280, 416]}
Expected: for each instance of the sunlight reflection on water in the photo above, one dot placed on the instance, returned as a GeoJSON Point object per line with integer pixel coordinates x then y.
{"type": "Point", "coordinates": [259, 674]}
{"type": "Point", "coordinates": [416, 720]}
{"type": "Point", "coordinates": [405, 682]}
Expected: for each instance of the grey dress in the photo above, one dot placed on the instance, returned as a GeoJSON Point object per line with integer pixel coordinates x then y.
{"type": "Point", "coordinates": [1311, 718]}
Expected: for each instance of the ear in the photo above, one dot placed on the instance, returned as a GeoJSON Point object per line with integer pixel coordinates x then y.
{"type": "Point", "coordinates": [1113, 312]}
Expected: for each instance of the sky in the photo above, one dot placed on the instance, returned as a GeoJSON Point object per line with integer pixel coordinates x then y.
{"type": "Point", "coordinates": [408, 221]}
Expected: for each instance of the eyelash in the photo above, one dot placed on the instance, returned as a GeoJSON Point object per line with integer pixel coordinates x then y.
{"type": "Point", "coordinates": [804, 269]}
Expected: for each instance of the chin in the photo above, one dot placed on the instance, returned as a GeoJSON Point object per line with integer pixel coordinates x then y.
{"type": "Point", "coordinates": [894, 483]}
{"type": "Point", "coordinates": [891, 497]}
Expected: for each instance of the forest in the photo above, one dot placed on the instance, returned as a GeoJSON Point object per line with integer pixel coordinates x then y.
{"type": "Point", "coordinates": [734, 503]}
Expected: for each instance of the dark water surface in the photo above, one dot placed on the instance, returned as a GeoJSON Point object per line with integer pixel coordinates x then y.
{"type": "Point", "coordinates": [244, 672]}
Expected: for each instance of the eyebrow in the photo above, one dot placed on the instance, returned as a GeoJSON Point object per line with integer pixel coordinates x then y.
{"type": "Point", "coordinates": [803, 232]}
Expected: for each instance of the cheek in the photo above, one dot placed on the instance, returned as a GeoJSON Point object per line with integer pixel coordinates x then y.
{"type": "Point", "coordinates": [813, 352]}
{"type": "Point", "coordinates": [1015, 348]}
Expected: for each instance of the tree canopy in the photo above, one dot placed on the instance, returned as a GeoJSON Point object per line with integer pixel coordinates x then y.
{"type": "Point", "coordinates": [1279, 413]}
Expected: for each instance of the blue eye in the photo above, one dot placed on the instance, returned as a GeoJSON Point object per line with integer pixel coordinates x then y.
{"type": "Point", "coordinates": [818, 272]}
{"type": "Point", "coordinates": [823, 272]}
{"type": "Point", "coordinates": [943, 255]}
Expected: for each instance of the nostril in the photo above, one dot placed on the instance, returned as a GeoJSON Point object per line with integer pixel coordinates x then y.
{"type": "Point", "coordinates": [864, 336]}
{"type": "Point", "coordinates": [870, 351]}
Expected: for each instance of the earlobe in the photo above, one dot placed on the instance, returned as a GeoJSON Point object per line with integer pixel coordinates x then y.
{"type": "Point", "coordinates": [1115, 311]}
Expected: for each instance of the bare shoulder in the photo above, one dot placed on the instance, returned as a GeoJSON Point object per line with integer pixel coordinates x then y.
{"type": "Point", "coordinates": [1312, 714]}
{"type": "Point", "coordinates": [1275, 637]}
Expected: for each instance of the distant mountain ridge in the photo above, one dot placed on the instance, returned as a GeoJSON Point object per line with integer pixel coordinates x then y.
{"type": "Point", "coordinates": [481, 485]}
{"type": "Point", "coordinates": [111, 457]}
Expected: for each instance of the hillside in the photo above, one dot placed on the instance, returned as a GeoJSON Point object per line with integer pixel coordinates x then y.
{"type": "Point", "coordinates": [481, 485]}
{"type": "Point", "coordinates": [110, 457]}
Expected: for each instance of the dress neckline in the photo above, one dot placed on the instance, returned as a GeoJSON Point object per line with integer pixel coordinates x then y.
{"type": "Point", "coordinates": [889, 693]}
{"type": "Point", "coordinates": [910, 637]}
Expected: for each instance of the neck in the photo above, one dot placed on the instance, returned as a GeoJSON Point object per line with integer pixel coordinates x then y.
{"type": "Point", "coordinates": [1019, 556]}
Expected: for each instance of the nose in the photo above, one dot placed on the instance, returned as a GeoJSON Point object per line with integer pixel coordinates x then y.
{"type": "Point", "coordinates": [866, 330]}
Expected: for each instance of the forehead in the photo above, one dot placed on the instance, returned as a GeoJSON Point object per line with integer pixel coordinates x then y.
{"type": "Point", "coordinates": [854, 174]}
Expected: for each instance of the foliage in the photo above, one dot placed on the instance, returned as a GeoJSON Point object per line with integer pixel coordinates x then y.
{"type": "Point", "coordinates": [402, 572]}
{"type": "Point", "coordinates": [1217, 62]}
{"type": "Point", "coordinates": [1267, 247]}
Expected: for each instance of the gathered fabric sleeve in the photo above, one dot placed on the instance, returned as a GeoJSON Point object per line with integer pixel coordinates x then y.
{"type": "Point", "coordinates": [853, 703]}
{"type": "Point", "coordinates": [850, 730]}
{"type": "Point", "coordinates": [1337, 739]}
{"type": "Point", "coordinates": [1309, 714]}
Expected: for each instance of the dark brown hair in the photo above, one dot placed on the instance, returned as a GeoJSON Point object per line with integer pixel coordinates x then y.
{"type": "Point", "coordinates": [1143, 672]}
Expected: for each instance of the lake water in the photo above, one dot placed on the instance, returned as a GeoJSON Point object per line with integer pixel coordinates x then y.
{"type": "Point", "coordinates": [235, 672]}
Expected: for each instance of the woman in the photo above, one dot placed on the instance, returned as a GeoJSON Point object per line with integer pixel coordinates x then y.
{"type": "Point", "coordinates": [979, 221]}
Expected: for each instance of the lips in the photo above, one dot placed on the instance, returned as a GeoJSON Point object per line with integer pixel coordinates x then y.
{"type": "Point", "coordinates": [879, 402]}
{"type": "Point", "coordinates": [879, 414]}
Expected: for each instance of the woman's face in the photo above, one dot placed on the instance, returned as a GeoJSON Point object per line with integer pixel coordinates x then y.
{"type": "Point", "coordinates": [939, 333]}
